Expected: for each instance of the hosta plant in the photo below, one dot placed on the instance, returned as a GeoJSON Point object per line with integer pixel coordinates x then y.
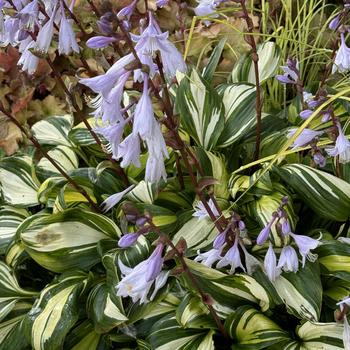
{"type": "Point", "coordinates": [193, 192]}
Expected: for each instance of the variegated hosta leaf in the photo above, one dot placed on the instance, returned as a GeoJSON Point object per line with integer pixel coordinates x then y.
{"type": "Point", "coordinates": [201, 110]}
{"type": "Point", "coordinates": [198, 234]}
{"type": "Point", "coordinates": [11, 328]}
{"type": "Point", "coordinates": [10, 218]}
{"type": "Point", "coordinates": [15, 254]}
{"type": "Point", "coordinates": [64, 156]}
{"type": "Point", "coordinates": [213, 61]}
{"type": "Point", "coordinates": [301, 292]}
{"type": "Point", "coordinates": [328, 336]}
{"type": "Point", "coordinates": [55, 311]}
{"type": "Point", "coordinates": [213, 165]}
{"type": "Point", "coordinates": [10, 291]}
{"type": "Point", "coordinates": [269, 57]}
{"type": "Point", "coordinates": [66, 240]}
{"type": "Point", "coordinates": [230, 291]}
{"type": "Point", "coordinates": [84, 337]}
{"type": "Point", "coordinates": [251, 329]}
{"type": "Point", "coordinates": [167, 334]}
{"type": "Point", "coordinates": [262, 208]}
{"type": "Point", "coordinates": [240, 113]}
{"type": "Point", "coordinates": [53, 130]}
{"type": "Point", "coordinates": [18, 181]}
{"type": "Point", "coordinates": [81, 136]}
{"type": "Point", "coordinates": [192, 313]}
{"type": "Point", "coordinates": [105, 309]}
{"type": "Point", "coordinates": [334, 259]}
{"type": "Point", "coordinates": [335, 290]}
{"type": "Point", "coordinates": [144, 192]}
{"type": "Point", "coordinates": [324, 193]}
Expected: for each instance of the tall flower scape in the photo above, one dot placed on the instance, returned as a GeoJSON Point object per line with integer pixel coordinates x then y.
{"type": "Point", "coordinates": [191, 189]}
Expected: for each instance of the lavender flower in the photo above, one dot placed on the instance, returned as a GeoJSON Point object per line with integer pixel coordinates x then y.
{"type": "Point", "coordinates": [341, 148]}
{"type": "Point", "coordinates": [346, 333]}
{"type": "Point", "coordinates": [319, 159]}
{"type": "Point", "coordinates": [220, 239]}
{"type": "Point", "coordinates": [201, 212]}
{"type": "Point", "coordinates": [161, 3]}
{"type": "Point", "coordinates": [291, 73]}
{"type": "Point", "coordinates": [67, 42]}
{"type": "Point", "coordinates": [45, 35]}
{"type": "Point", "coordinates": [152, 40]}
{"type": "Point", "coordinates": [334, 23]}
{"type": "Point", "coordinates": [126, 12]}
{"type": "Point", "coordinates": [286, 227]}
{"type": "Point", "coordinates": [114, 199]}
{"type": "Point", "coordinates": [270, 264]}
{"type": "Point", "coordinates": [100, 42]}
{"type": "Point", "coordinates": [306, 113]}
{"type": "Point", "coordinates": [134, 282]}
{"type": "Point", "coordinates": [264, 233]}
{"type": "Point", "coordinates": [342, 58]}
{"type": "Point", "coordinates": [128, 240]}
{"type": "Point", "coordinates": [306, 136]}
{"type": "Point", "coordinates": [130, 151]}
{"type": "Point", "coordinates": [104, 83]}
{"type": "Point", "coordinates": [155, 263]}
{"type": "Point", "coordinates": [210, 257]}
{"type": "Point", "coordinates": [29, 15]}
{"type": "Point", "coordinates": [288, 260]}
{"type": "Point", "coordinates": [233, 258]}
{"type": "Point", "coordinates": [305, 244]}
{"type": "Point", "coordinates": [251, 262]}
{"type": "Point", "coordinates": [28, 61]}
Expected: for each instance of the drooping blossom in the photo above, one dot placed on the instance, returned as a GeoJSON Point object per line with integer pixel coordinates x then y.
{"type": "Point", "coordinates": [100, 42]}
{"type": "Point", "coordinates": [210, 257]}
{"type": "Point", "coordinates": [152, 40]}
{"type": "Point", "coordinates": [45, 35]}
{"type": "Point", "coordinates": [270, 264]}
{"type": "Point", "coordinates": [232, 257]}
{"type": "Point", "coordinates": [286, 229]}
{"type": "Point", "coordinates": [67, 41]}
{"type": "Point", "coordinates": [126, 12]}
{"type": "Point", "coordinates": [201, 212]}
{"type": "Point", "coordinates": [129, 151]}
{"type": "Point", "coordinates": [288, 260]}
{"type": "Point", "coordinates": [291, 72]}
{"type": "Point", "coordinates": [319, 159]}
{"type": "Point", "coordinates": [341, 148]}
{"type": "Point", "coordinates": [115, 198]}
{"type": "Point", "coordinates": [342, 58]}
{"type": "Point", "coordinates": [306, 136]}
{"type": "Point", "coordinates": [29, 15]}
{"type": "Point", "coordinates": [305, 245]}
{"type": "Point", "coordinates": [28, 61]}
{"type": "Point", "coordinates": [137, 282]}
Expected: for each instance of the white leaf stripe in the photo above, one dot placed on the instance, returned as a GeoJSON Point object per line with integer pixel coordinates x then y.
{"type": "Point", "coordinates": [53, 130]}
{"type": "Point", "coordinates": [326, 194]}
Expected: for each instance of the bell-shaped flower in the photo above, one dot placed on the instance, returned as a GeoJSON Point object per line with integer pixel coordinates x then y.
{"type": "Point", "coordinates": [104, 83]}
{"type": "Point", "coordinates": [291, 73]}
{"type": "Point", "coordinates": [9, 33]}
{"type": "Point", "coordinates": [201, 211]}
{"type": "Point", "coordinates": [44, 38]}
{"type": "Point", "coordinates": [109, 108]}
{"type": "Point", "coordinates": [305, 244]}
{"type": "Point", "coordinates": [306, 113]}
{"type": "Point", "coordinates": [128, 240]}
{"type": "Point", "coordinates": [288, 260]}
{"type": "Point", "coordinates": [152, 40]}
{"type": "Point", "coordinates": [306, 136]}
{"type": "Point", "coordinates": [210, 257]}
{"type": "Point", "coordinates": [341, 148]}
{"type": "Point", "coordinates": [286, 229]}
{"type": "Point", "coordinates": [342, 58]}
{"type": "Point", "coordinates": [29, 15]}
{"type": "Point", "coordinates": [66, 38]}
{"type": "Point", "coordinates": [138, 281]}
{"type": "Point", "coordinates": [220, 239]}
{"type": "Point", "coordinates": [113, 134]}
{"type": "Point", "coordinates": [334, 23]}
{"type": "Point", "coordinates": [130, 151]}
{"type": "Point", "coordinates": [319, 159]}
{"type": "Point", "coordinates": [28, 61]}
{"type": "Point", "coordinates": [270, 264]}
{"type": "Point", "coordinates": [233, 258]}
{"type": "Point", "coordinates": [114, 199]}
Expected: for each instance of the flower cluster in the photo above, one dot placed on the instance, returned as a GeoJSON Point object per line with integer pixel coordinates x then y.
{"type": "Point", "coordinates": [288, 260]}
{"type": "Point", "coordinates": [107, 105]}
{"type": "Point", "coordinates": [32, 30]}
